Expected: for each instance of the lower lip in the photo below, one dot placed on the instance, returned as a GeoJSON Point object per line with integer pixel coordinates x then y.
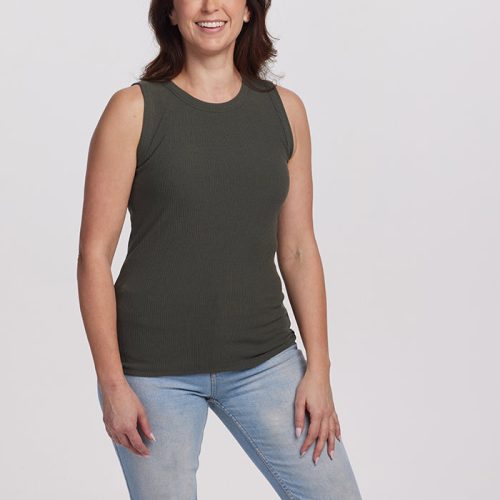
{"type": "Point", "coordinates": [210, 30]}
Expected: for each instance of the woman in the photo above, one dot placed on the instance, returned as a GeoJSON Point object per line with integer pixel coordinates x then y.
{"type": "Point", "coordinates": [213, 162]}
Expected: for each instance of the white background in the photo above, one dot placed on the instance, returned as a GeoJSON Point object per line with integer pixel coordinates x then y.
{"type": "Point", "coordinates": [403, 104]}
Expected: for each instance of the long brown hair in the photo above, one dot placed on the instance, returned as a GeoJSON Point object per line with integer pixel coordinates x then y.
{"type": "Point", "coordinates": [253, 52]}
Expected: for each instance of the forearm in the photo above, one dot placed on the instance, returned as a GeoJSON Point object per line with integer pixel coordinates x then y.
{"type": "Point", "coordinates": [305, 284]}
{"type": "Point", "coordinates": [98, 308]}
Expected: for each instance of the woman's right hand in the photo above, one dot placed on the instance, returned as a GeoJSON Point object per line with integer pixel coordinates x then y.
{"type": "Point", "coordinates": [123, 415]}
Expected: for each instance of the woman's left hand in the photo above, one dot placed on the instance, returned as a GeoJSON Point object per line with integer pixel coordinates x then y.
{"type": "Point", "coordinates": [314, 393]}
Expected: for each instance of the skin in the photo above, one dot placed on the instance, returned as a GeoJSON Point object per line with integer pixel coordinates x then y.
{"type": "Point", "coordinates": [210, 75]}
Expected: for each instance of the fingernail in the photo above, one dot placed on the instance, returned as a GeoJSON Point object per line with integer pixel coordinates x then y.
{"type": "Point", "coordinates": [330, 454]}
{"type": "Point", "coordinates": [152, 437]}
{"type": "Point", "coordinates": [302, 454]}
{"type": "Point", "coordinates": [298, 431]}
{"type": "Point", "coordinates": [316, 460]}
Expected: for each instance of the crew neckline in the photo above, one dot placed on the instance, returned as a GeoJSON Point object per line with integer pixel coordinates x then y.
{"type": "Point", "coordinates": [205, 105]}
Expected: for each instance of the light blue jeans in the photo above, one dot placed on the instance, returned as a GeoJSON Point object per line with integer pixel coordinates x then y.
{"type": "Point", "coordinates": [257, 406]}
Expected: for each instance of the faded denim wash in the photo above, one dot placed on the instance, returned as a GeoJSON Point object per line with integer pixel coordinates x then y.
{"type": "Point", "coordinates": [257, 406]}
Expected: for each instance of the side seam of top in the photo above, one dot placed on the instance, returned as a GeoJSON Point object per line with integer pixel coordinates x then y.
{"type": "Point", "coordinates": [285, 122]}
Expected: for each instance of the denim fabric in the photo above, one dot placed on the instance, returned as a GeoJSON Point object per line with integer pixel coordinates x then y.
{"type": "Point", "coordinates": [257, 406]}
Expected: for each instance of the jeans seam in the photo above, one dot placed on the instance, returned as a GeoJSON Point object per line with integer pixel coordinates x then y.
{"type": "Point", "coordinates": [115, 446]}
{"type": "Point", "coordinates": [123, 467]}
{"type": "Point", "coordinates": [214, 386]}
{"type": "Point", "coordinates": [254, 444]}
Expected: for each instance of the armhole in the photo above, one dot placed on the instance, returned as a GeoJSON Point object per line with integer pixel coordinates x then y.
{"type": "Point", "coordinates": [285, 122]}
{"type": "Point", "coordinates": [145, 138]}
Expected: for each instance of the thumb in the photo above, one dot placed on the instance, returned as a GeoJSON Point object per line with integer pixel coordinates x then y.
{"type": "Point", "coordinates": [300, 408]}
{"type": "Point", "coordinates": [143, 421]}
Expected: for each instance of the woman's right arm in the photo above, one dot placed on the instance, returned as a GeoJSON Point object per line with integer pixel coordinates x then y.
{"type": "Point", "coordinates": [110, 172]}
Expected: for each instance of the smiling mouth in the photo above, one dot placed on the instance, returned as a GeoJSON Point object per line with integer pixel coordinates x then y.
{"type": "Point", "coordinates": [211, 25]}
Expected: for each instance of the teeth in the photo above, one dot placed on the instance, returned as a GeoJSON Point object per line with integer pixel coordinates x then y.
{"type": "Point", "coordinates": [211, 24]}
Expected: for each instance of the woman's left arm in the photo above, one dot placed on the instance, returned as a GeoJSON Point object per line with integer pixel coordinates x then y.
{"type": "Point", "coordinates": [302, 270]}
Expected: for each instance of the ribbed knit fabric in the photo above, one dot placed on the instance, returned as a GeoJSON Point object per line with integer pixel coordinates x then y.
{"type": "Point", "coordinates": [199, 290]}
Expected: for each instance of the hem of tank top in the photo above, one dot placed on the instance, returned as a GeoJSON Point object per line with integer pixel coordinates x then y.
{"type": "Point", "coordinates": [254, 362]}
{"type": "Point", "coordinates": [216, 107]}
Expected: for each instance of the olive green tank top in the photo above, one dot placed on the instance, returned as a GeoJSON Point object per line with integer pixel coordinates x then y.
{"type": "Point", "coordinates": [199, 290]}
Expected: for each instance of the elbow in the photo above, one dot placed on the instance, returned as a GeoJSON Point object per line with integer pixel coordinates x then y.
{"type": "Point", "coordinates": [91, 257]}
{"type": "Point", "coordinates": [298, 254]}
{"type": "Point", "coordinates": [290, 257]}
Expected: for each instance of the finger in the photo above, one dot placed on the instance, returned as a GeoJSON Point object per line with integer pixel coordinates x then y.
{"type": "Point", "coordinates": [137, 442]}
{"type": "Point", "coordinates": [112, 435]}
{"type": "Point", "coordinates": [320, 442]}
{"type": "Point", "coordinates": [331, 438]}
{"type": "Point", "coordinates": [337, 426]}
{"type": "Point", "coordinates": [121, 439]}
{"type": "Point", "coordinates": [300, 410]}
{"type": "Point", "coordinates": [144, 424]}
{"type": "Point", "coordinates": [108, 431]}
{"type": "Point", "coordinates": [312, 433]}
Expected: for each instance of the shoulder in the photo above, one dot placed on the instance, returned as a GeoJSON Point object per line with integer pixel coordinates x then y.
{"type": "Point", "coordinates": [123, 112]}
{"type": "Point", "coordinates": [127, 102]}
{"type": "Point", "coordinates": [292, 102]}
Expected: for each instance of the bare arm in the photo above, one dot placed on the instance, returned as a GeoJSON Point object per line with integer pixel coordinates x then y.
{"type": "Point", "coordinates": [302, 270]}
{"type": "Point", "coordinates": [110, 173]}
{"type": "Point", "coordinates": [298, 254]}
